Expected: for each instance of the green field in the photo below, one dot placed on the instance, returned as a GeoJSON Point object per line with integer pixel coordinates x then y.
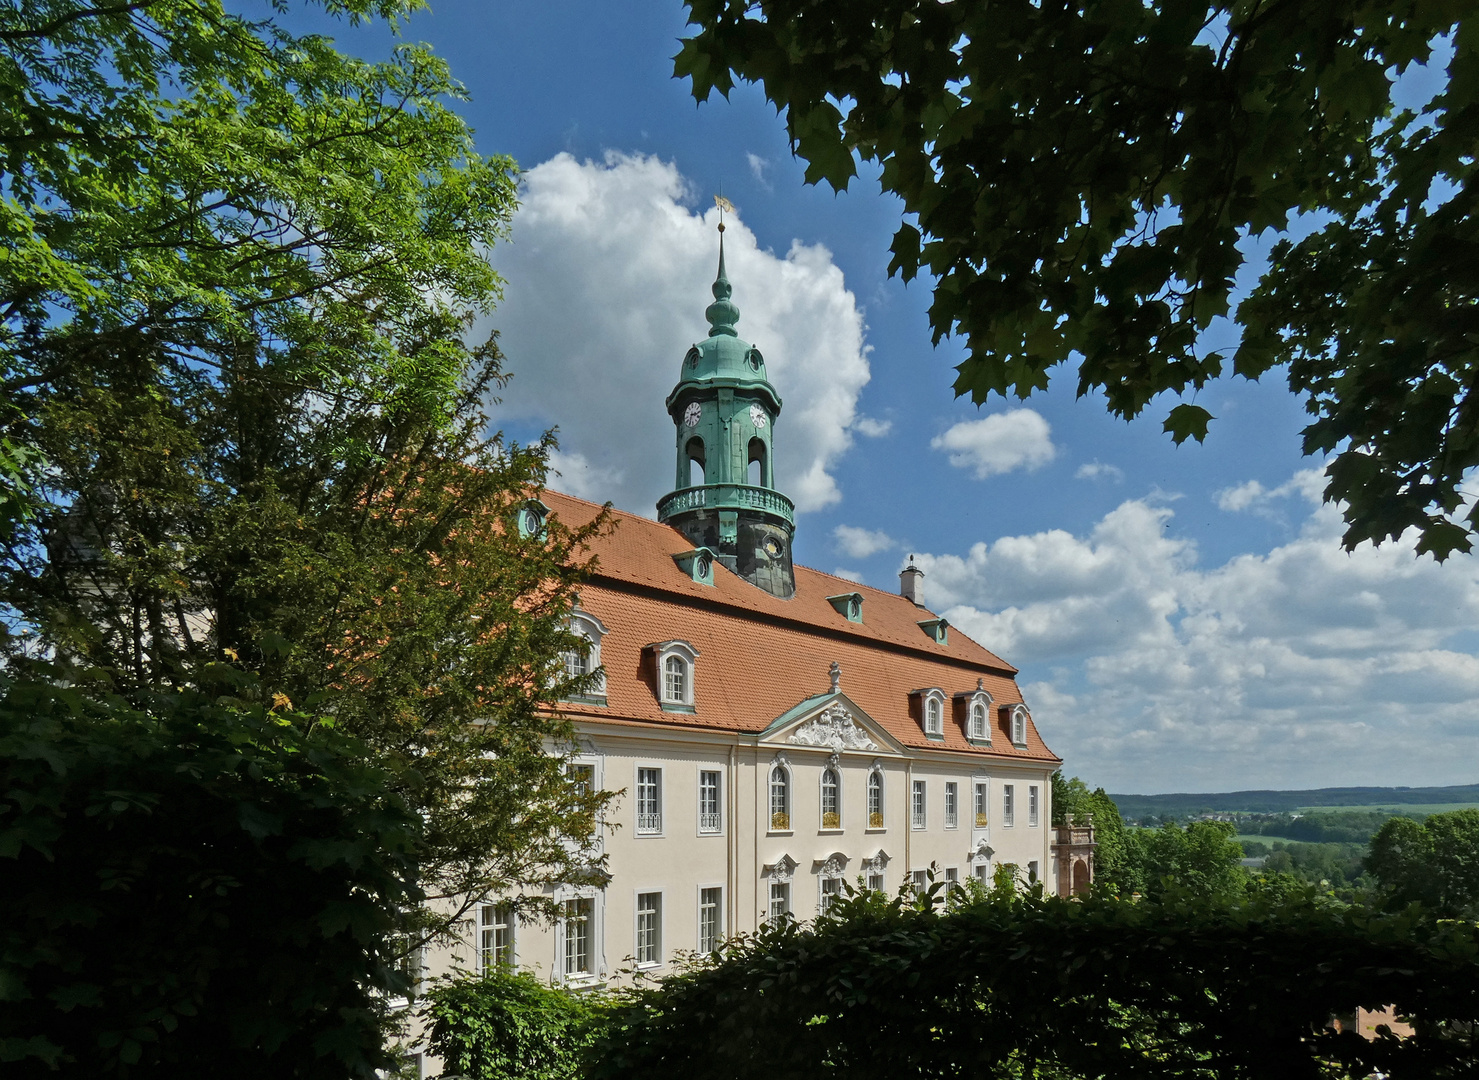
{"type": "Point", "coordinates": [1269, 840]}
{"type": "Point", "coordinates": [1395, 808]}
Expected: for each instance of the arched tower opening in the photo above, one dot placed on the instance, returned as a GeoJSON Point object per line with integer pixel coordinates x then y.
{"type": "Point", "coordinates": [694, 452]}
{"type": "Point", "coordinates": [759, 469]}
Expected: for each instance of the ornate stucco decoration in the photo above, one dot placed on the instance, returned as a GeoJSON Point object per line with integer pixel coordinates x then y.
{"type": "Point", "coordinates": [877, 864]}
{"type": "Point", "coordinates": [834, 728]}
{"type": "Point", "coordinates": [782, 870]}
{"type": "Point", "coordinates": [832, 866]}
{"type": "Point", "coordinates": [983, 852]}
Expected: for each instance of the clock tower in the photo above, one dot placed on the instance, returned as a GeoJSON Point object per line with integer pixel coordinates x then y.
{"type": "Point", "coordinates": [724, 495]}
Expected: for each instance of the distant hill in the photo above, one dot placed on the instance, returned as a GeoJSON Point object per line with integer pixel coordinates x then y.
{"type": "Point", "coordinates": [1185, 805]}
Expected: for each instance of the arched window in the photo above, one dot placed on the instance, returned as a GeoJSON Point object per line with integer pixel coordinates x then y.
{"type": "Point", "coordinates": [675, 680]}
{"type": "Point", "coordinates": [695, 454]}
{"type": "Point", "coordinates": [1019, 725]}
{"type": "Point", "coordinates": [831, 799]}
{"type": "Point", "coordinates": [578, 661]}
{"type": "Point", "coordinates": [978, 720]}
{"type": "Point", "coordinates": [875, 799]}
{"type": "Point", "coordinates": [933, 725]}
{"type": "Point", "coordinates": [780, 799]}
{"type": "Point", "coordinates": [585, 658]}
{"type": "Point", "coordinates": [757, 473]}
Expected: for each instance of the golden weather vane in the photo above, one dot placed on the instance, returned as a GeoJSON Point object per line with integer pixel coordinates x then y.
{"type": "Point", "coordinates": [724, 205]}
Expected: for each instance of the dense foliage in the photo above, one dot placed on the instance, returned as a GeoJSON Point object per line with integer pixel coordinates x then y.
{"type": "Point", "coordinates": [1072, 800]}
{"type": "Point", "coordinates": [202, 882]}
{"type": "Point", "coordinates": [1024, 986]}
{"type": "Point", "coordinates": [1083, 180]}
{"type": "Point", "coordinates": [252, 434]}
{"type": "Point", "coordinates": [507, 1025]}
{"type": "Point", "coordinates": [1324, 827]}
{"type": "Point", "coordinates": [1434, 863]}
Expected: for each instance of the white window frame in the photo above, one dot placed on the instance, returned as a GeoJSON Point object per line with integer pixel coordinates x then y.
{"type": "Point", "coordinates": [877, 881]}
{"type": "Point", "coordinates": [653, 823]}
{"type": "Point", "coordinates": [664, 651]}
{"type": "Point", "coordinates": [788, 779]}
{"type": "Point", "coordinates": [718, 919]}
{"type": "Point", "coordinates": [1019, 725]}
{"type": "Point", "coordinates": [875, 774]}
{"type": "Point", "coordinates": [593, 630]}
{"type": "Point", "coordinates": [655, 959]}
{"type": "Point", "coordinates": [1008, 806]}
{"type": "Point", "coordinates": [778, 891]}
{"type": "Point", "coordinates": [594, 938]}
{"type": "Point", "coordinates": [833, 771]}
{"type": "Point", "coordinates": [711, 824]}
{"type": "Point", "coordinates": [484, 928]}
{"type": "Point", "coordinates": [919, 881]}
{"type": "Point", "coordinates": [918, 805]}
{"type": "Point", "coordinates": [1032, 805]}
{"type": "Point", "coordinates": [826, 896]}
{"type": "Point", "coordinates": [978, 702]}
{"type": "Point", "coordinates": [952, 879]}
{"type": "Point", "coordinates": [932, 712]}
{"type": "Point", "coordinates": [981, 803]}
{"type": "Point", "coordinates": [952, 804]}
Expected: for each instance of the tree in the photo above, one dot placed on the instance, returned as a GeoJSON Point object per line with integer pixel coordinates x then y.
{"type": "Point", "coordinates": [240, 271]}
{"type": "Point", "coordinates": [1083, 180]}
{"type": "Point", "coordinates": [1434, 862]}
{"type": "Point", "coordinates": [204, 888]}
{"type": "Point", "coordinates": [1202, 858]}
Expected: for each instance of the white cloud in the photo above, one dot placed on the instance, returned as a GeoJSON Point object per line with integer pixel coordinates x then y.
{"type": "Point", "coordinates": [576, 476]}
{"type": "Point", "coordinates": [848, 575]}
{"type": "Point", "coordinates": [758, 165]}
{"type": "Point", "coordinates": [1098, 470]}
{"type": "Point", "coordinates": [608, 274]}
{"type": "Point", "coordinates": [1267, 670]}
{"type": "Point", "coordinates": [1000, 443]}
{"type": "Point", "coordinates": [1307, 484]}
{"type": "Point", "coordinates": [873, 429]}
{"type": "Point", "coordinates": [860, 543]}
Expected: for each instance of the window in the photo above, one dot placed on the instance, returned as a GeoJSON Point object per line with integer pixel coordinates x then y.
{"type": "Point", "coordinates": [952, 878]}
{"type": "Point", "coordinates": [831, 890]}
{"type": "Point", "coordinates": [710, 817]}
{"type": "Point", "coordinates": [917, 818]}
{"type": "Point", "coordinates": [952, 805]}
{"type": "Point", "coordinates": [780, 901]}
{"type": "Point", "coordinates": [780, 799]}
{"type": "Point", "coordinates": [981, 870]}
{"type": "Point", "coordinates": [875, 880]}
{"type": "Point", "coordinates": [920, 880]}
{"type": "Point", "coordinates": [1008, 805]}
{"type": "Point", "coordinates": [933, 724]}
{"type": "Point", "coordinates": [978, 721]}
{"type": "Point", "coordinates": [982, 816]}
{"type": "Point", "coordinates": [649, 801]}
{"type": "Point", "coordinates": [649, 928]}
{"type": "Point", "coordinates": [585, 659]}
{"type": "Point", "coordinates": [1019, 725]}
{"type": "Point", "coordinates": [831, 799]}
{"type": "Point", "coordinates": [578, 662]}
{"type": "Point", "coordinates": [582, 778]}
{"type": "Point", "coordinates": [495, 936]}
{"type": "Point", "coordinates": [709, 924]}
{"type": "Point", "coordinates": [1032, 804]}
{"type": "Point", "coordinates": [675, 680]}
{"type": "Point", "coordinates": [578, 916]}
{"type": "Point", "coordinates": [875, 799]}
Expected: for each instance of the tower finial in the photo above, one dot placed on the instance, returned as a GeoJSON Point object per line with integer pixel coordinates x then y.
{"type": "Point", "coordinates": [722, 313]}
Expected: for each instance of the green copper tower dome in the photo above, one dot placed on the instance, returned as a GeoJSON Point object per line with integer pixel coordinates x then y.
{"type": "Point", "coordinates": [724, 496]}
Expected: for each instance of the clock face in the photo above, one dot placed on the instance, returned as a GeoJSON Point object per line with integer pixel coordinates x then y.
{"type": "Point", "coordinates": [758, 417]}
{"type": "Point", "coordinates": [692, 414]}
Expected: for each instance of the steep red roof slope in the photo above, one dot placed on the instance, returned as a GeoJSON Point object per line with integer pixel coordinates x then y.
{"type": "Point", "coordinates": [760, 655]}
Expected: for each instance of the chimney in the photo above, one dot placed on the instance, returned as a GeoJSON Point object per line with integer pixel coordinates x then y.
{"type": "Point", "coordinates": [909, 581]}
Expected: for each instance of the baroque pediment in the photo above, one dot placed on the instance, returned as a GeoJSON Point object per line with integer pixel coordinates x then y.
{"type": "Point", "coordinates": [834, 729]}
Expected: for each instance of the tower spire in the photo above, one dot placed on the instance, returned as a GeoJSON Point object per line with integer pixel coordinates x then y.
{"type": "Point", "coordinates": [722, 313]}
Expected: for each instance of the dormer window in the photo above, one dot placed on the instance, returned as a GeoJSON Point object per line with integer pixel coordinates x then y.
{"type": "Point", "coordinates": [929, 710]}
{"type": "Point", "coordinates": [937, 629]}
{"type": "Point", "coordinates": [973, 712]}
{"type": "Point", "coordinates": [1017, 720]}
{"type": "Point", "coordinates": [674, 663]}
{"type": "Point", "coordinates": [848, 605]}
{"type": "Point", "coordinates": [585, 659]}
{"type": "Point", "coordinates": [698, 564]}
{"type": "Point", "coordinates": [530, 520]}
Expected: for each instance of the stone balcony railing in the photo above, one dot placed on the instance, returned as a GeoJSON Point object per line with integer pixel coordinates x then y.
{"type": "Point", "coordinates": [727, 497]}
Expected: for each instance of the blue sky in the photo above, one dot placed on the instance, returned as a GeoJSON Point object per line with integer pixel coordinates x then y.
{"type": "Point", "coordinates": [1183, 616]}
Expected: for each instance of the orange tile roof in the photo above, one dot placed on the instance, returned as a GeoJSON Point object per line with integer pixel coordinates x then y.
{"type": "Point", "coordinates": [759, 655]}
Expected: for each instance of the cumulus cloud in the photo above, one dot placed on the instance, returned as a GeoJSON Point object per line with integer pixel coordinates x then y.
{"type": "Point", "coordinates": [758, 165]}
{"type": "Point", "coordinates": [1253, 497]}
{"type": "Point", "coordinates": [848, 575]}
{"type": "Point", "coordinates": [1017, 439]}
{"type": "Point", "coordinates": [608, 272]}
{"type": "Point", "coordinates": [1098, 470]}
{"type": "Point", "coordinates": [873, 429]}
{"type": "Point", "coordinates": [860, 543]}
{"type": "Point", "coordinates": [1264, 671]}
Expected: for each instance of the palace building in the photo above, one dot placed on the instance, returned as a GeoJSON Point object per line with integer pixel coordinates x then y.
{"type": "Point", "coordinates": [776, 731]}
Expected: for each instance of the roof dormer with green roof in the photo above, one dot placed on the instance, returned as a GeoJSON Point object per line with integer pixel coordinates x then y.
{"type": "Point", "coordinates": [724, 496]}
